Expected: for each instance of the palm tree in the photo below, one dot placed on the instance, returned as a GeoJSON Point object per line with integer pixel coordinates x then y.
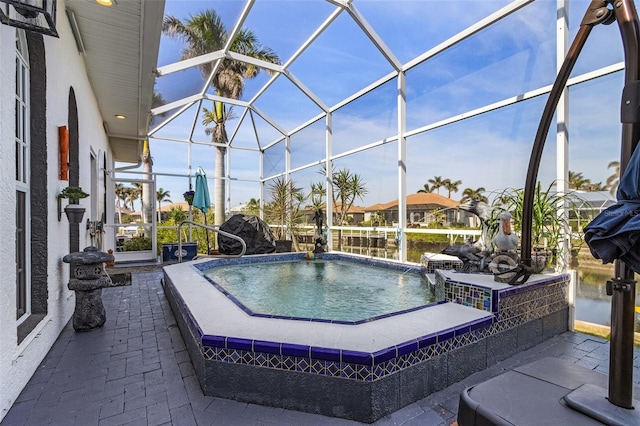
{"type": "Point", "coordinates": [425, 189]}
{"type": "Point", "coordinates": [121, 195]}
{"type": "Point", "coordinates": [347, 187]}
{"type": "Point", "coordinates": [162, 195]}
{"type": "Point", "coordinates": [614, 180]}
{"type": "Point", "coordinates": [205, 33]}
{"type": "Point", "coordinates": [436, 183]}
{"type": "Point", "coordinates": [576, 180]}
{"type": "Point", "coordinates": [474, 194]}
{"type": "Point", "coordinates": [253, 207]}
{"type": "Point", "coordinates": [145, 188]}
{"type": "Point", "coordinates": [451, 186]}
{"type": "Point", "coordinates": [134, 193]}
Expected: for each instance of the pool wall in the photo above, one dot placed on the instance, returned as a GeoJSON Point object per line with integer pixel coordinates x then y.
{"type": "Point", "coordinates": [365, 386]}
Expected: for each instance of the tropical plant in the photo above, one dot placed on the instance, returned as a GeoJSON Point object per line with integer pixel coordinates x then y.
{"type": "Point", "coordinates": [253, 207]}
{"type": "Point", "coordinates": [162, 196]}
{"type": "Point", "coordinates": [614, 180]}
{"type": "Point", "coordinates": [579, 182]}
{"type": "Point", "coordinates": [206, 33]}
{"type": "Point", "coordinates": [425, 189]}
{"type": "Point", "coordinates": [438, 216]}
{"type": "Point", "coordinates": [547, 226]}
{"type": "Point", "coordinates": [436, 183]}
{"type": "Point", "coordinates": [121, 195]}
{"type": "Point", "coordinates": [451, 186]}
{"type": "Point", "coordinates": [347, 186]}
{"type": "Point", "coordinates": [137, 244]}
{"type": "Point", "coordinates": [285, 208]}
{"type": "Point", "coordinates": [378, 219]}
{"type": "Point", "coordinates": [73, 193]}
{"type": "Point", "coordinates": [576, 180]}
{"type": "Point", "coordinates": [317, 194]}
{"type": "Point", "coordinates": [177, 215]}
{"type": "Point", "coordinates": [133, 193]}
{"type": "Point", "coordinates": [474, 194]}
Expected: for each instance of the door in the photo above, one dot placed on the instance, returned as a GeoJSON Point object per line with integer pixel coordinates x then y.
{"type": "Point", "coordinates": [132, 226]}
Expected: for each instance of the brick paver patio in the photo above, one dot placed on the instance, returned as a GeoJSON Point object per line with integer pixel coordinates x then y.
{"type": "Point", "coordinates": [135, 371]}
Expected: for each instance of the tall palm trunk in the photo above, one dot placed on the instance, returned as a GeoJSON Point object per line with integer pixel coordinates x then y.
{"type": "Point", "coordinates": [219, 185]}
{"type": "Point", "coordinates": [219, 136]}
{"type": "Point", "coordinates": [148, 197]}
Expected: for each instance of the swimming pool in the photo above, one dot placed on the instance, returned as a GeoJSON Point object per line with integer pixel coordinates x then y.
{"type": "Point", "coordinates": [359, 370]}
{"type": "Point", "coordinates": [336, 290]}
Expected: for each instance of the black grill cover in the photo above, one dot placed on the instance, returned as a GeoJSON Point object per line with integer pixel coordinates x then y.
{"type": "Point", "coordinates": [256, 234]}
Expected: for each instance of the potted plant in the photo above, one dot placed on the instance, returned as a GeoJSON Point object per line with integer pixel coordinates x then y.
{"type": "Point", "coordinates": [547, 228]}
{"type": "Point", "coordinates": [73, 210]}
{"type": "Point", "coordinates": [285, 209]}
{"type": "Point", "coordinates": [188, 196]}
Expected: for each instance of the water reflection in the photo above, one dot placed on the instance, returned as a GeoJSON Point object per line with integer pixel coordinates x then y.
{"type": "Point", "coordinates": [592, 303]}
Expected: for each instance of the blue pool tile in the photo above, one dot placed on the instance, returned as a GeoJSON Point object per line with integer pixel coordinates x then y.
{"type": "Point", "coordinates": [428, 340]}
{"type": "Point", "coordinates": [447, 334]}
{"type": "Point", "coordinates": [237, 343]}
{"type": "Point", "coordinates": [384, 355]}
{"type": "Point", "coordinates": [462, 329]}
{"type": "Point", "coordinates": [356, 357]}
{"type": "Point", "coordinates": [215, 341]}
{"type": "Point", "coordinates": [266, 347]}
{"type": "Point", "coordinates": [326, 354]}
{"type": "Point", "coordinates": [407, 347]}
{"type": "Point", "coordinates": [290, 349]}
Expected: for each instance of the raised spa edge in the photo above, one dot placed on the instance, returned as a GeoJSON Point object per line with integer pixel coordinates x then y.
{"type": "Point", "coordinates": [365, 385]}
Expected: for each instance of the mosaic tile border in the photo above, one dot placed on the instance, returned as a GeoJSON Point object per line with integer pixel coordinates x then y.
{"type": "Point", "coordinates": [341, 363]}
{"type": "Point", "coordinates": [396, 266]}
{"type": "Point", "coordinates": [430, 264]}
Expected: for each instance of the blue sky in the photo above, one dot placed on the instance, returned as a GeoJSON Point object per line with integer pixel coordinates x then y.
{"type": "Point", "coordinates": [512, 57]}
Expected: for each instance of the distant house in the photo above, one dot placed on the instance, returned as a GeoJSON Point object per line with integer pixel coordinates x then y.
{"type": "Point", "coordinates": [355, 214]}
{"type": "Point", "coordinates": [420, 209]}
{"type": "Point", "coordinates": [166, 208]}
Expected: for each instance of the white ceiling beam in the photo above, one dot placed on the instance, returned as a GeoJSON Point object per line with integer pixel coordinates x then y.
{"type": "Point", "coordinates": [254, 61]}
{"type": "Point", "coordinates": [237, 128]}
{"type": "Point", "coordinates": [299, 52]}
{"type": "Point", "coordinates": [216, 98]}
{"type": "Point", "coordinates": [175, 104]}
{"type": "Point", "coordinates": [255, 129]}
{"type": "Point", "coordinates": [365, 90]}
{"type": "Point", "coordinates": [374, 37]}
{"type": "Point", "coordinates": [304, 89]}
{"type": "Point", "coordinates": [170, 119]}
{"type": "Point", "coordinates": [268, 119]}
{"type": "Point", "coordinates": [190, 63]}
{"type": "Point", "coordinates": [473, 29]}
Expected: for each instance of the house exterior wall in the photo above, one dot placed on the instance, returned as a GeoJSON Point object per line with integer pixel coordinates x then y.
{"type": "Point", "coordinates": [64, 69]}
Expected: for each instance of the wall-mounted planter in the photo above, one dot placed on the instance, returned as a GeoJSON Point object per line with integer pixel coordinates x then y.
{"type": "Point", "coordinates": [74, 213]}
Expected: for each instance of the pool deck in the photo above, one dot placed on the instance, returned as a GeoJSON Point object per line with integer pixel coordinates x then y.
{"type": "Point", "coordinates": [135, 370]}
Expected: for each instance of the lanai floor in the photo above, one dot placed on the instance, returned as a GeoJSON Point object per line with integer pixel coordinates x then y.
{"type": "Point", "coordinates": [135, 370]}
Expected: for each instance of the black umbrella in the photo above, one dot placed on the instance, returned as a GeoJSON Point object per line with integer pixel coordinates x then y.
{"type": "Point", "coordinates": [615, 232]}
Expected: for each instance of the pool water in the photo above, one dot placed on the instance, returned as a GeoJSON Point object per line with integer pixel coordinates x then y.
{"type": "Point", "coordinates": [332, 290]}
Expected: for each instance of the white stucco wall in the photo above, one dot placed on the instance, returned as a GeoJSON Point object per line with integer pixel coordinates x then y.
{"type": "Point", "coordinates": [65, 69]}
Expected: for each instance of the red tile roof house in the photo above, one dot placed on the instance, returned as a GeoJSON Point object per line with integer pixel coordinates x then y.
{"type": "Point", "coordinates": [420, 208]}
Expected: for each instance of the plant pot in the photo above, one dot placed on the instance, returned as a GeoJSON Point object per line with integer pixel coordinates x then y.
{"type": "Point", "coordinates": [74, 213]}
{"type": "Point", "coordinates": [283, 246]}
{"type": "Point", "coordinates": [540, 260]}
